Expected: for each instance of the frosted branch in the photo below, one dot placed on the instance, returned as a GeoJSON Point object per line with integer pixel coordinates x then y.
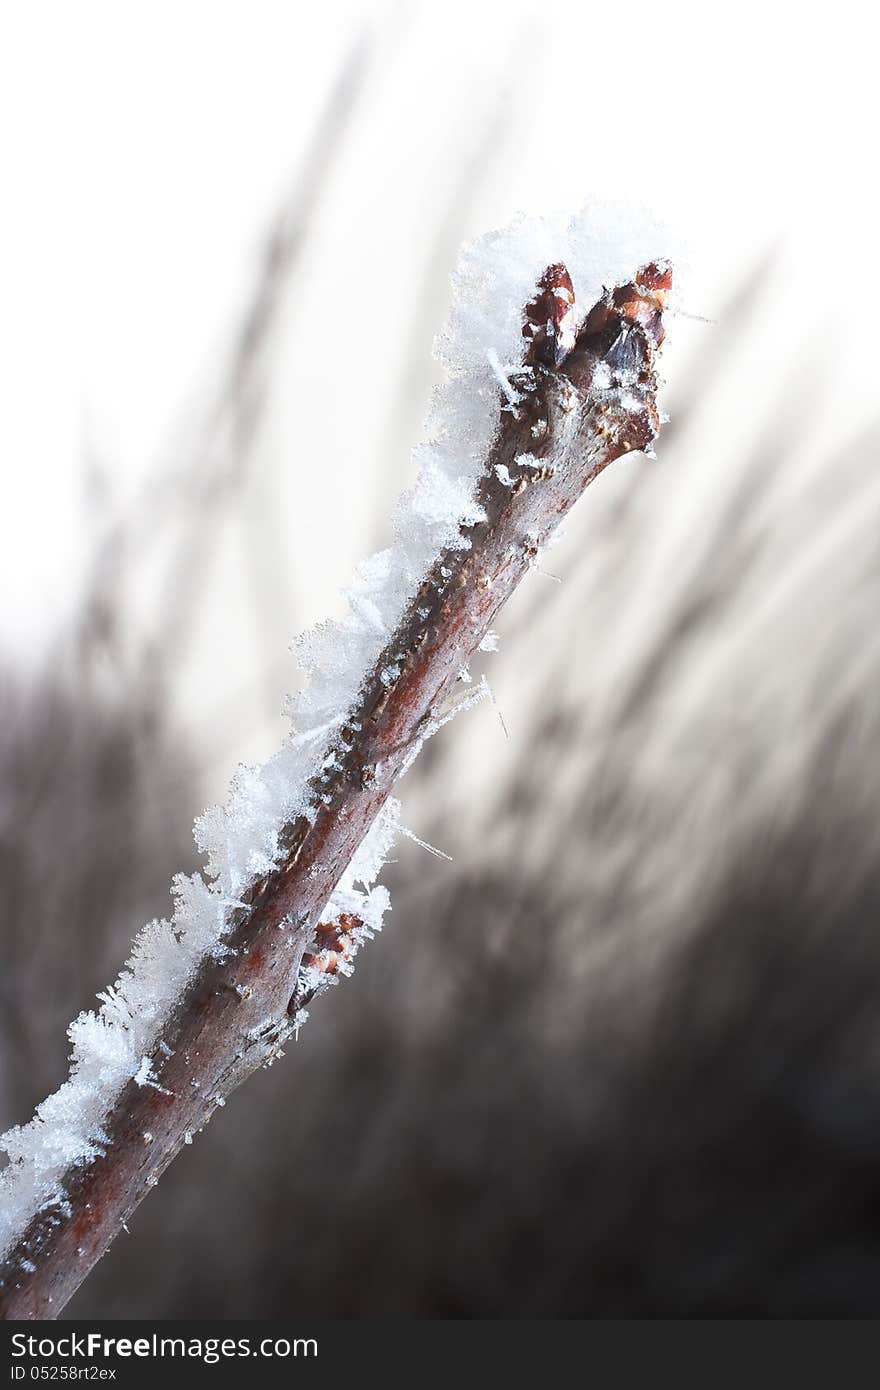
{"type": "Point", "coordinates": [293, 857]}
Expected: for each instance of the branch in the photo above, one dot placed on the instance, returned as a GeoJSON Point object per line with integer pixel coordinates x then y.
{"type": "Point", "coordinates": [581, 399]}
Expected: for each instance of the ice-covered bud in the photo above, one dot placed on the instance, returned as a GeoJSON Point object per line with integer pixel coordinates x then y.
{"type": "Point", "coordinates": [549, 319]}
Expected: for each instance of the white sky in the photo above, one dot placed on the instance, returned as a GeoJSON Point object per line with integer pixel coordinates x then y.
{"type": "Point", "coordinates": [146, 146]}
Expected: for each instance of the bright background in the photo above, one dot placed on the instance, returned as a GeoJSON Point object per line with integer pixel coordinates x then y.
{"type": "Point", "coordinates": [149, 149]}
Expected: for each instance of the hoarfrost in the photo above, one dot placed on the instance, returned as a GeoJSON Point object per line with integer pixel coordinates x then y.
{"type": "Point", "coordinates": [240, 840]}
{"type": "Point", "coordinates": [144, 1074]}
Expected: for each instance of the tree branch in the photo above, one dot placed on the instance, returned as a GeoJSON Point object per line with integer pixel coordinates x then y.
{"type": "Point", "coordinates": [580, 400]}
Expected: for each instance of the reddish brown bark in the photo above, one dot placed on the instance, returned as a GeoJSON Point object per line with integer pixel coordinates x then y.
{"type": "Point", "coordinates": [571, 423]}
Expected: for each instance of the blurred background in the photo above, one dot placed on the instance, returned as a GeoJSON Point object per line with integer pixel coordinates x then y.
{"type": "Point", "coordinates": [620, 1056]}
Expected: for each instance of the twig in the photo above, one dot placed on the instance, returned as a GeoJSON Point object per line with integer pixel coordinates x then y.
{"type": "Point", "coordinates": [582, 400]}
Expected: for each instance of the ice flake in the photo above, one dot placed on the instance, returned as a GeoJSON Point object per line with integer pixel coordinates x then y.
{"type": "Point", "coordinates": [513, 397]}
{"type": "Point", "coordinates": [601, 376]}
{"type": "Point", "coordinates": [144, 1074]}
{"type": "Point", "coordinates": [423, 844]}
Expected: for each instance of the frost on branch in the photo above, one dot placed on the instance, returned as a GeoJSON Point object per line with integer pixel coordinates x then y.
{"type": "Point", "coordinates": [534, 405]}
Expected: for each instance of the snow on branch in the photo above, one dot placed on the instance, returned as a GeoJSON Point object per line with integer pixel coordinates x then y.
{"type": "Point", "coordinates": [538, 399]}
